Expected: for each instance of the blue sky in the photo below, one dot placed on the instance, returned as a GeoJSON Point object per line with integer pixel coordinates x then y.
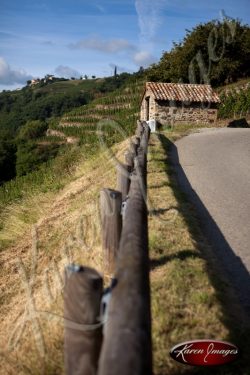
{"type": "Point", "coordinates": [77, 37]}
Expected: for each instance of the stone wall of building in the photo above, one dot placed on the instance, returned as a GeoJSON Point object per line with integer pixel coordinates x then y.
{"type": "Point", "coordinates": [152, 106]}
{"type": "Point", "coordinates": [166, 114]}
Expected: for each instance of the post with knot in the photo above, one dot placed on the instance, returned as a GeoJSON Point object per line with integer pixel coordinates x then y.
{"type": "Point", "coordinates": [111, 222]}
{"type": "Point", "coordinates": [82, 329]}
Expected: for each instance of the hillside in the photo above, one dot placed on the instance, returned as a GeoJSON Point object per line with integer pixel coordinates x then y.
{"type": "Point", "coordinates": [20, 108]}
{"type": "Point", "coordinates": [37, 106]}
{"type": "Point", "coordinates": [53, 99]}
{"type": "Point", "coordinates": [41, 101]}
{"type": "Point", "coordinates": [64, 227]}
{"type": "Point", "coordinates": [121, 106]}
{"type": "Point", "coordinates": [74, 134]}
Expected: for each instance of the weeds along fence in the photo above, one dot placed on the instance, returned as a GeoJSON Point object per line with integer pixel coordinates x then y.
{"type": "Point", "coordinates": [108, 332]}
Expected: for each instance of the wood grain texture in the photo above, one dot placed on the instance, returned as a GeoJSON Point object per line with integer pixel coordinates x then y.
{"type": "Point", "coordinates": [82, 331]}
{"type": "Point", "coordinates": [111, 222]}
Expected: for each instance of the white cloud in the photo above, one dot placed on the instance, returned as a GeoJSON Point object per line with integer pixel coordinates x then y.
{"type": "Point", "coordinates": [9, 76]}
{"type": "Point", "coordinates": [143, 58]}
{"type": "Point", "coordinates": [108, 46]}
{"type": "Point", "coordinates": [67, 72]}
{"type": "Point", "coordinates": [149, 20]}
{"type": "Point", "coordinates": [149, 17]}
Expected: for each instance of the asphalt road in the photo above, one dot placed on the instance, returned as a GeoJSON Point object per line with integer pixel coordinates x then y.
{"type": "Point", "coordinates": [213, 167]}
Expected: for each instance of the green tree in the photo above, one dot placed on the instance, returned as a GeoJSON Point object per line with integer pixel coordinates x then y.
{"type": "Point", "coordinates": [216, 52]}
{"type": "Point", "coordinates": [32, 130]}
{"type": "Point", "coordinates": [31, 155]}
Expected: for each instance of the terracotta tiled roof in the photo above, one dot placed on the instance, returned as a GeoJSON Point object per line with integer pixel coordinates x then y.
{"type": "Point", "coordinates": [183, 92]}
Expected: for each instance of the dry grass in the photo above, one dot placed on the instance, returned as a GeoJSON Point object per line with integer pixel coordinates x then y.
{"type": "Point", "coordinates": [47, 232]}
{"type": "Point", "coordinates": [186, 293]}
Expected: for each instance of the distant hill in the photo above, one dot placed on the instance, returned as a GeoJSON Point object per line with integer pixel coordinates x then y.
{"type": "Point", "coordinates": [53, 99]}
{"type": "Point", "coordinates": [40, 107]}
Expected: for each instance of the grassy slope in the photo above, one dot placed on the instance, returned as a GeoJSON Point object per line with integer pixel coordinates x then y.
{"type": "Point", "coordinates": [83, 130]}
{"type": "Point", "coordinates": [68, 230]}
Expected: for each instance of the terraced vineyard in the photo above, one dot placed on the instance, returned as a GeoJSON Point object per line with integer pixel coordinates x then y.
{"type": "Point", "coordinates": [112, 116]}
{"type": "Point", "coordinates": [107, 120]}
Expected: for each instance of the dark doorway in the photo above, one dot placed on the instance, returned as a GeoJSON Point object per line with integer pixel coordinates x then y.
{"type": "Point", "coordinates": [147, 108]}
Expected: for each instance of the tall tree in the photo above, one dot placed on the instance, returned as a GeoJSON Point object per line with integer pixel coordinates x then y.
{"type": "Point", "coordinates": [215, 52]}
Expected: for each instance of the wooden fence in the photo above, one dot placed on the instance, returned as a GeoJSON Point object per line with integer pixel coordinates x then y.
{"type": "Point", "coordinates": [109, 332]}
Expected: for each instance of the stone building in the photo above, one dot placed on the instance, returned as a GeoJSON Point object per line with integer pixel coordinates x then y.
{"type": "Point", "coordinates": [170, 103]}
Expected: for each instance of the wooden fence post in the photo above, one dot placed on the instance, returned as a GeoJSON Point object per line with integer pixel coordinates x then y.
{"type": "Point", "coordinates": [111, 220]}
{"type": "Point", "coordinates": [127, 342]}
{"type": "Point", "coordinates": [133, 148]}
{"type": "Point", "coordinates": [137, 141]}
{"type": "Point", "coordinates": [148, 131]}
{"type": "Point", "coordinates": [141, 170]}
{"type": "Point", "coordinates": [83, 332]}
{"type": "Point", "coordinates": [129, 158]}
{"type": "Point", "coordinates": [139, 129]}
{"type": "Point", "coordinates": [123, 179]}
{"type": "Point", "coordinates": [145, 137]}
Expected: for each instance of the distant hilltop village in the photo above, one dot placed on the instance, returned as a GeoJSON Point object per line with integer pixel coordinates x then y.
{"type": "Point", "coordinates": [49, 78]}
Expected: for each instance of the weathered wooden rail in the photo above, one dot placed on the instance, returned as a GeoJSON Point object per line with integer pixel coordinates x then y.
{"type": "Point", "coordinates": [125, 347]}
